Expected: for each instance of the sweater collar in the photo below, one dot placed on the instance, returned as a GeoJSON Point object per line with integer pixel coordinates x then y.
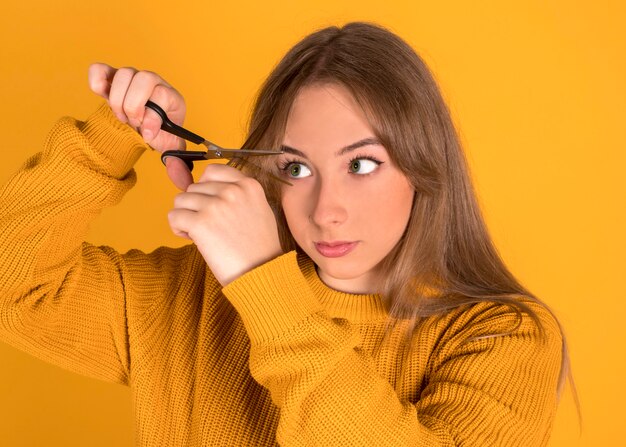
{"type": "Point", "coordinates": [353, 307]}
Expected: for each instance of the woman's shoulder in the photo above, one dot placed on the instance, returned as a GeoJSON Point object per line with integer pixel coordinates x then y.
{"type": "Point", "coordinates": [517, 324]}
{"type": "Point", "coordinates": [520, 316]}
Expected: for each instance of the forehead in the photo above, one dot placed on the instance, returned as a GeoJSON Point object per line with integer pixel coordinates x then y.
{"type": "Point", "coordinates": [323, 115]}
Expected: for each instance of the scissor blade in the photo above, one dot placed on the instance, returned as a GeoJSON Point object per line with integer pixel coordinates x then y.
{"type": "Point", "coordinates": [214, 151]}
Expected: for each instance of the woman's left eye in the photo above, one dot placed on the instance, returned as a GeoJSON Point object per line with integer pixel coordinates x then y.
{"type": "Point", "coordinates": [363, 166]}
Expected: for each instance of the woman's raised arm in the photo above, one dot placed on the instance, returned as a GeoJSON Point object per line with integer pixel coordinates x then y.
{"type": "Point", "coordinates": [61, 299]}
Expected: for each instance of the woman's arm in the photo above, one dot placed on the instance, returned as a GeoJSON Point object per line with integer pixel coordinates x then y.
{"type": "Point", "coordinates": [492, 391]}
{"type": "Point", "coordinates": [61, 299]}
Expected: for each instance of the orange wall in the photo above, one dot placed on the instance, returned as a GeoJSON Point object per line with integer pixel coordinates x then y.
{"type": "Point", "coordinates": [536, 87]}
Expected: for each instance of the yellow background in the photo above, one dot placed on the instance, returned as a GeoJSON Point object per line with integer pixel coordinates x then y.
{"type": "Point", "coordinates": [536, 88]}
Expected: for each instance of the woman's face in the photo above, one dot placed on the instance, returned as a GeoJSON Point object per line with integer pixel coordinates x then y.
{"type": "Point", "coordinates": [349, 205]}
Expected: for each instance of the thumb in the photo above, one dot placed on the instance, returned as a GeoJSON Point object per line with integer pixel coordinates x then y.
{"type": "Point", "coordinates": [178, 173]}
{"type": "Point", "coordinates": [150, 126]}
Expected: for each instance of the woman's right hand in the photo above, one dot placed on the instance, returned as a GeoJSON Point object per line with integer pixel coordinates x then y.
{"type": "Point", "coordinates": [127, 90]}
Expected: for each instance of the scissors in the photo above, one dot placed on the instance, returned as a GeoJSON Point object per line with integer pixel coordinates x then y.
{"type": "Point", "coordinates": [213, 150]}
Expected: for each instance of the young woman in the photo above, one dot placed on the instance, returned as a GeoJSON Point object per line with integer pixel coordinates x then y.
{"type": "Point", "coordinates": [364, 304]}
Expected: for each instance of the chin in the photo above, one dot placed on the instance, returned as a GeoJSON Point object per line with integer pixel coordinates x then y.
{"type": "Point", "coordinates": [342, 268]}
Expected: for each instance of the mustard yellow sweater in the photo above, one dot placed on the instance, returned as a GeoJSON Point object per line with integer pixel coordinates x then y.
{"type": "Point", "coordinates": [276, 357]}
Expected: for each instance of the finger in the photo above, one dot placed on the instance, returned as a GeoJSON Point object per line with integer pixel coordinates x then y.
{"type": "Point", "coordinates": [173, 105]}
{"type": "Point", "coordinates": [217, 172]}
{"type": "Point", "coordinates": [141, 88]}
{"type": "Point", "coordinates": [100, 76]}
{"type": "Point", "coordinates": [228, 191]}
{"type": "Point", "coordinates": [178, 173]}
{"type": "Point", "coordinates": [181, 234]}
{"type": "Point", "coordinates": [119, 87]}
{"type": "Point", "coordinates": [181, 221]}
{"type": "Point", "coordinates": [150, 125]}
{"type": "Point", "coordinates": [192, 201]}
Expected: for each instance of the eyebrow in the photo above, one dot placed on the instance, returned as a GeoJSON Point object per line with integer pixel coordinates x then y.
{"type": "Point", "coordinates": [364, 142]}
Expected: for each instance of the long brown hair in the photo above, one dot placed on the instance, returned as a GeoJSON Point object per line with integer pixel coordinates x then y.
{"type": "Point", "coordinates": [446, 258]}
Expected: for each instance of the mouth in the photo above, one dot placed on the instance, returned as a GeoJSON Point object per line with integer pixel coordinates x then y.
{"type": "Point", "coordinates": [335, 249]}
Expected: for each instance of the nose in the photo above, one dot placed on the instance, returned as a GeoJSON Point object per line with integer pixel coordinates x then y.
{"type": "Point", "coordinates": [329, 204]}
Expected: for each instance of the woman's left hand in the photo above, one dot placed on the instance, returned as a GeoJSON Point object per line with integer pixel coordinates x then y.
{"type": "Point", "coordinates": [227, 216]}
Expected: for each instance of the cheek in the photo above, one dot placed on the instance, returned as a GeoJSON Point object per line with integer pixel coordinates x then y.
{"type": "Point", "coordinates": [403, 200]}
{"type": "Point", "coordinates": [392, 193]}
{"type": "Point", "coordinates": [394, 206]}
{"type": "Point", "coordinates": [294, 208]}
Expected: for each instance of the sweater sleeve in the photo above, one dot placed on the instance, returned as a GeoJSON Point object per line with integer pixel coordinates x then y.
{"type": "Point", "coordinates": [61, 299]}
{"type": "Point", "coordinates": [490, 391]}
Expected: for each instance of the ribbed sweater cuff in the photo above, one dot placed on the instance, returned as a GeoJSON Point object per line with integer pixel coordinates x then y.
{"type": "Point", "coordinates": [119, 144]}
{"type": "Point", "coordinates": [272, 298]}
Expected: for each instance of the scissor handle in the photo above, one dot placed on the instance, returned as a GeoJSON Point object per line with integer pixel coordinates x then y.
{"type": "Point", "coordinates": [172, 128]}
{"type": "Point", "coordinates": [186, 156]}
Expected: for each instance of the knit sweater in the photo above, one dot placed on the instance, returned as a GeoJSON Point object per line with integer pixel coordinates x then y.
{"type": "Point", "coordinates": [276, 356]}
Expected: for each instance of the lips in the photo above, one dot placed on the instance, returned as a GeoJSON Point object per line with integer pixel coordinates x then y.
{"type": "Point", "coordinates": [335, 249]}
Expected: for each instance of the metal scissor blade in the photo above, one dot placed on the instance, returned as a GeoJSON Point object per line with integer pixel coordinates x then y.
{"type": "Point", "coordinates": [215, 151]}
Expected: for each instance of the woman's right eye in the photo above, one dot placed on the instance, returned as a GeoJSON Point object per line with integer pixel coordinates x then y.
{"type": "Point", "coordinates": [296, 170]}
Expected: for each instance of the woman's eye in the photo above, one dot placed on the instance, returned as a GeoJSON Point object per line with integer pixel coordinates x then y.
{"type": "Point", "coordinates": [297, 170]}
{"type": "Point", "coordinates": [363, 166]}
